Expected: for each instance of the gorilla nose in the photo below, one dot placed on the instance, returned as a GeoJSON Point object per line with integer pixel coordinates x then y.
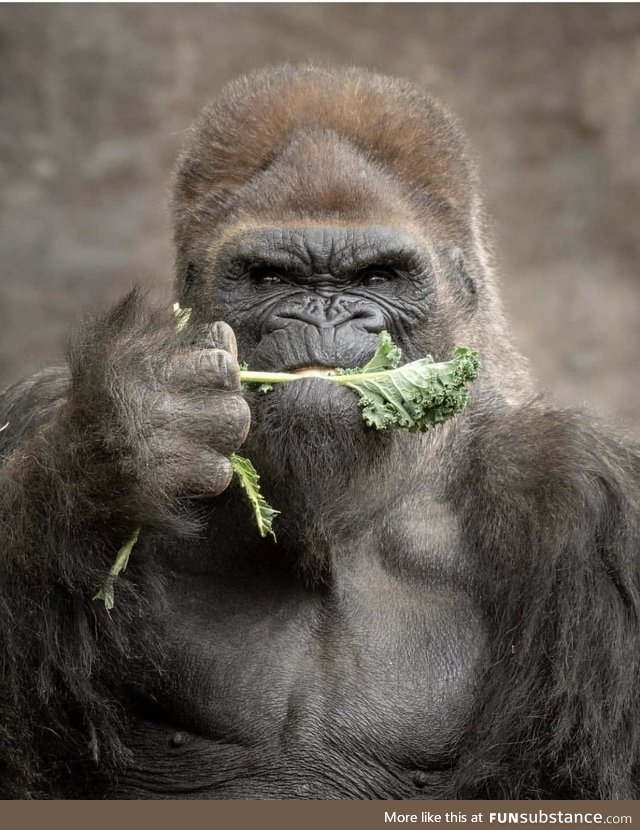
{"type": "Point", "coordinates": [327, 313]}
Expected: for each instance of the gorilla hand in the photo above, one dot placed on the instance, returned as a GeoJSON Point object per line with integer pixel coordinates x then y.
{"type": "Point", "coordinates": [158, 413]}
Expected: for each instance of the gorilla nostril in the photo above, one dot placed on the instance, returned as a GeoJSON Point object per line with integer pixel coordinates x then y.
{"type": "Point", "coordinates": [369, 320]}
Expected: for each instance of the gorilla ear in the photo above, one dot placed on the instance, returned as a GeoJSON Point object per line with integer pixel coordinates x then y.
{"type": "Point", "coordinates": [461, 280]}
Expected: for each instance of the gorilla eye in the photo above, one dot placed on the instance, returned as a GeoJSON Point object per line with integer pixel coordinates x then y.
{"type": "Point", "coordinates": [266, 275]}
{"type": "Point", "coordinates": [376, 275]}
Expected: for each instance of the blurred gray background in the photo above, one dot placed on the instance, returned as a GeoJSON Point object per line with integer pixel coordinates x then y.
{"type": "Point", "coordinates": [94, 99]}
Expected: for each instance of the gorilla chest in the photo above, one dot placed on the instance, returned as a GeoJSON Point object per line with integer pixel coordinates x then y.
{"type": "Point", "coordinates": [289, 690]}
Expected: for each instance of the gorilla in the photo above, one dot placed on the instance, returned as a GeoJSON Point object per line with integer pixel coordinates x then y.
{"type": "Point", "coordinates": [452, 614]}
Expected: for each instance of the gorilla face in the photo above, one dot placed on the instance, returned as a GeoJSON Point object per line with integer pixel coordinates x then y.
{"type": "Point", "coordinates": [314, 298]}
{"type": "Point", "coordinates": [307, 300]}
{"type": "Point", "coordinates": [310, 297]}
{"type": "Point", "coordinates": [317, 297]}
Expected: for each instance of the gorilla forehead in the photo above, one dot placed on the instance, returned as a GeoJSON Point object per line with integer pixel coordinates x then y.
{"type": "Point", "coordinates": [334, 250]}
{"type": "Point", "coordinates": [320, 122]}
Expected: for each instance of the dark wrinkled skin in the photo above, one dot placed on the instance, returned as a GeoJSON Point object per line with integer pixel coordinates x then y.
{"type": "Point", "coordinates": [444, 615]}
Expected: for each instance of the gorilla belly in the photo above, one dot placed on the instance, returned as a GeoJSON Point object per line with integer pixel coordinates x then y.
{"type": "Point", "coordinates": [274, 690]}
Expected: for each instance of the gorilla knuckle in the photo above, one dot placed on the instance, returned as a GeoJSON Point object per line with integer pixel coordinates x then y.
{"type": "Point", "coordinates": [202, 369]}
{"type": "Point", "coordinates": [178, 465]}
{"type": "Point", "coordinates": [220, 420]}
{"type": "Point", "coordinates": [223, 368]}
{"type": "Point", "coordinates": [232, 421]}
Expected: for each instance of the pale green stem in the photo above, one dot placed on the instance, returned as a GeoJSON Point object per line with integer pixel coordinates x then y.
{"type": "Point", "coordinates": [247, 376]}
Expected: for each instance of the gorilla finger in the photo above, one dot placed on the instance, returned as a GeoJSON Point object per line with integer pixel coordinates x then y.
{"type": "Point", "coordinates": [220, 421]}
{"type": "Point", "coordinates": [220, 335]}
{"type": "Point", "coordinates": [227, 425]}
{"type": "Point", "coordinates": [210, 476]}
{"type": "Point", "coordinates": [212, 368]}
{"type": "Point", "coordinates": [194, 471]}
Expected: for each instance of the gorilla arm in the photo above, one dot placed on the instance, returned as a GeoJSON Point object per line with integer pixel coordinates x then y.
{"type": "Point", "coordinates": [122, 439]}
{"type": "Point", "coordinates": [551, 508]}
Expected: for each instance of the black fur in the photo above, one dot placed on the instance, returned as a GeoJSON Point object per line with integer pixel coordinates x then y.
{"type": "Point", "coordinates": [551, 506]}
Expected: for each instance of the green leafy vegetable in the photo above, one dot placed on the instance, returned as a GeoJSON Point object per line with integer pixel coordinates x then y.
{"type": "Point", "coordinates": [106, 593]}
{"type": "Point", "coordinates": [249, 481]}
{"type": "Point", "coordinates": [387, 356]}
{"type": "Point", "coordinates": [182, 316]}
{"type": "Point", "coordinates": [416, 396]}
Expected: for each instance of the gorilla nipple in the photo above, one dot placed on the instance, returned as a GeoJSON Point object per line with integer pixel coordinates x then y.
{"type": "Point", "coordinates": [178, 739]}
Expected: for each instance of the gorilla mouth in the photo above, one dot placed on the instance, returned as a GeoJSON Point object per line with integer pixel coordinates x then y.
{"type": "Point", "coordinates": [309, 351]}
